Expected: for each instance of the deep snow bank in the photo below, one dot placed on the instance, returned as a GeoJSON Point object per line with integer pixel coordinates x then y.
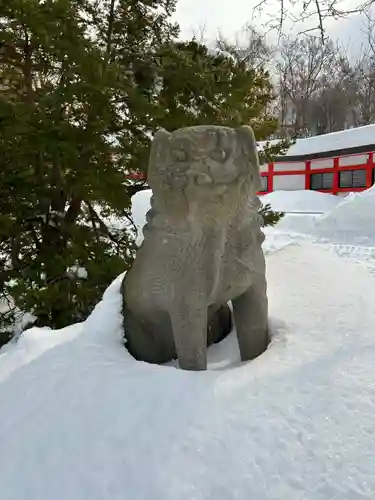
{"type": "Point", "coordinates": [86, 421]}
{"type": "Point", "coordinates": [351, 222]}
{"type": "Point", "coordinates": [302, 201]}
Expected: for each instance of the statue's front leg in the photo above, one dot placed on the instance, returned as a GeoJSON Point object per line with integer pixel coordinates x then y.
{"type": "Point", "coordinates": [189, 324]}
{"type": "Point", "coordinates": [250, 312]}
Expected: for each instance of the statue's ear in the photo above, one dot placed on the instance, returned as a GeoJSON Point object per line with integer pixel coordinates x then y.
{"type": "Point", "coordinates": [158, 153]}
{"type": "Point", "coordinates": [248, 147]}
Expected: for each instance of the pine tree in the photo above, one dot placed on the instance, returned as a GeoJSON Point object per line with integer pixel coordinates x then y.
{"type": "Point", "coordinates": [67, 139]}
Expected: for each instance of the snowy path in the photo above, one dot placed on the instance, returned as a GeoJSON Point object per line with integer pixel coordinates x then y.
{"type": "Point", "coordinates": [83, 421]}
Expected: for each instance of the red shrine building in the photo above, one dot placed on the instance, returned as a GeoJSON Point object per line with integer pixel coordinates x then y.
{"type": "Point", "coordinates": [336, 163]}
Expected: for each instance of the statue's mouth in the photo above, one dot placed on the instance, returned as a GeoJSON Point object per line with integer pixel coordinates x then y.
{"type": "Point", "coordinates": [204, 191]}
{"type": "Point", "coordinates": [204, 179]}
{"type": "Point", "coordinates": [198, 178]}
{"type": "Point", "coordinates": [201, 185]}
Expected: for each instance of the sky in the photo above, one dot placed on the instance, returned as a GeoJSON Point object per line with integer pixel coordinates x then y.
{"type": "Point", "coordinates": [212, 15]}
{"type": "Point", "coordinates": [230, 17]}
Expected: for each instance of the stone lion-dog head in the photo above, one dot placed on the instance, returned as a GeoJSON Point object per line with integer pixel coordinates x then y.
{"type": "Point", "coordinates": [204, 165]}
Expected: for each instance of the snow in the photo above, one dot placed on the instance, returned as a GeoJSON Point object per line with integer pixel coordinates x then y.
{"type": "Point", "coordinates": [355, 137]}
{"type": "Point", "coordinates": [301, 208]}
{"type": "Point", "coordinates": [351, 221]}
{"type": "Point", "coordinates": [81, 419]}
{"type": "Point", "coordinates": [299, 201]}
{"type": "Point", "coordinates": [322, 217]}
{"type": "Point", "coordinates": [302, 201]}
{"type": "Point", "coordinates": [282, 426]}
{"type": "Point", "coordinates": [140, 206]}
{"type": "Point", "coordinates": [82, 273]}
{"type": "Point", "coordinates": [77, 271]}
{"type": "Point", "coordinates": [31, 345]}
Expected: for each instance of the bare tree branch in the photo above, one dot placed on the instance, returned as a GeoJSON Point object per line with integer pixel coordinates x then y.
{"type": "Point", "coordinates": [253, 51]}
{"type": "Point", "coordinates": [315, 11]}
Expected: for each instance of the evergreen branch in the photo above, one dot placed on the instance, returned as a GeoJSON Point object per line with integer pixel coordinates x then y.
{"type": "Point", "coordinates": [15, 251]}
{"type": "Point", "coordinates": [74, 210]}
{"type": "Point", "coordinates": [7, 275]}
{"type": "Point", "coordinates": [102, 226]}
{"type": "Point", "coordinates": [111, 19]}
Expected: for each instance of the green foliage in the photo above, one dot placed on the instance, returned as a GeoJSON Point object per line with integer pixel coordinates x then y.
{"type": "Point", "coordinates": [270, 217]}
{"type": "Point", "coordinates": [68, 92]}
{"type": "Point", "coordinates": [273, 149]}
{"type": "Point", "coordinates": [202, 87]}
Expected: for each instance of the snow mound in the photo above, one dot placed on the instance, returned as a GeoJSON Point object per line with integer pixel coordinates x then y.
{"type": "Point", "coordinates": [351, 222]}
{"type": "Point", "coordinates": [31, 344]}
{"type": "Point", "coordinates": [303, 201]}
{"type": "Point", "coordinates": [301, 208]}
{"type": "Point", "coordinates": [140, 207]}
{"type": "Point", "coordinates": [86, 421]}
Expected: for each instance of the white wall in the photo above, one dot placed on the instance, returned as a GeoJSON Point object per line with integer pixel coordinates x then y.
{"type": "Point", "coordinates": [325, 163]}
{"type": "Point", "coordinates": [353, 160]}
{"type": "Point", "coordinates": [288, 182]}
{"type": "Point", "coordinates": [285, 167]}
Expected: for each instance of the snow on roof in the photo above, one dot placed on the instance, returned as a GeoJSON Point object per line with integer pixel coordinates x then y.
{"type": "Point", "coordinates": [355, 137]}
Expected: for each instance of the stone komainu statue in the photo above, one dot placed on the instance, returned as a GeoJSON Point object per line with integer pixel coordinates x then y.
{"type": "Point", "coordinates": [201, 249]}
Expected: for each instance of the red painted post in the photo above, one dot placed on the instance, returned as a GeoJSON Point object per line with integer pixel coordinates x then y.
{"type": "Point", "coordinates": [270, 177]}
{"type": "Point", "coordinates": [307, 174]}
{"type": "Point", "coordinates": [370, 170]}
{"type": "Point", "coordinates": [336, 183]}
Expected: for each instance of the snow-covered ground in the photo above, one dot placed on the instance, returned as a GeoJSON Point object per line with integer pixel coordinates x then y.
{"type": "Point", "coordinates": [81, 420]}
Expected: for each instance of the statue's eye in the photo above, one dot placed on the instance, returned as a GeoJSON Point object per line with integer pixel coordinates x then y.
{"type": "Point", "coordinates": [179, 155]}
{"type": "Point", "coordinates": [219, 155]}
